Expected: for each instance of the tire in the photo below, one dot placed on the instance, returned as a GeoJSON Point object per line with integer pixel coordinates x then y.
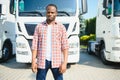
{"type": "Point", "coordinates": [6, 53]}
{"type": "Point", "coordinates": [102, 55]}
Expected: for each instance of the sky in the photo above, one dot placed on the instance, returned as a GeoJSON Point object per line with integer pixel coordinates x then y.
{"type": "Point", "coordinates": [92, 9]}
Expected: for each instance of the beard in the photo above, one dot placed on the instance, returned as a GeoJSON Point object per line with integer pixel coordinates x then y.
{"type": "Point", "coordinates": [50, 19]}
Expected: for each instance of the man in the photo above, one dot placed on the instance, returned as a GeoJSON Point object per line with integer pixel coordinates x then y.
{"type": "Point", "coordinates": [50, 46]}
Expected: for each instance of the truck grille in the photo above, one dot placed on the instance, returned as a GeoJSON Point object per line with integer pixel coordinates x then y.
{"type": "Point", "coordinates": [66, 26]}
{"type": "Point", "coordinates": [30, 28]}
{"type": "Point", "coordinates": [30, 42]}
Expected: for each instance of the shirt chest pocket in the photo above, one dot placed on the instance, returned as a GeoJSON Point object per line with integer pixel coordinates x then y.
{"type": "Point", "coordinates": [58, 36]}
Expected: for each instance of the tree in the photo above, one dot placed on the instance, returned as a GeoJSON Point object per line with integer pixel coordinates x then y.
{"type": "Point", "coordinates": [90, 26]}
{"type": "Point", "coordinates": [82, 25]}
{"type": "Point", "coordinates": [87, 26]}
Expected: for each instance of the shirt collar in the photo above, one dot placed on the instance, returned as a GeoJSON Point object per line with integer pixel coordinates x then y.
{"type": "Point", "coordinates": [55, 22]}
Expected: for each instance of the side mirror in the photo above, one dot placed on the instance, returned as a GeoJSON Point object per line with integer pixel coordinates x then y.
{"type": "Point", "coordinates": [84, 6]}
{"type": "Point", "coordinates": [105, 12]}
{"type": "Point", "coordinates": [105, 4]}
{"type": "Point", "coordinates": [2, 11]}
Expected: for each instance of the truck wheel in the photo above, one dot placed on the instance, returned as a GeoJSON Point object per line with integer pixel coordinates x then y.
{"type": "Point", "coordinates": [102, 55]}
{"type": "Point", "coordinates": [6, 53]}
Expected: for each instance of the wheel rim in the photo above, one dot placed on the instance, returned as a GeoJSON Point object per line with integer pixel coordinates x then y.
{"type": "Point", "coordinates": [103, 51]}
{"type": "Point", "coordinates": [103, 56]}
{"type": "Point", "coordinates": [5, 53]}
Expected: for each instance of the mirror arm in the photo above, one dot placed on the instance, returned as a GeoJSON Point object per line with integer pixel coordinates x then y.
{"type": "Point", "coordinates": [3, 17]}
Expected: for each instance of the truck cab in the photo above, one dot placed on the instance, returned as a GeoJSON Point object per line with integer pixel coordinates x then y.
{"type": "Point", "coordinates": [108, 31]}
{"type": "Point", "coordinates": [7, 30]}
{"type": "Point", "coordinates": [20, 17]}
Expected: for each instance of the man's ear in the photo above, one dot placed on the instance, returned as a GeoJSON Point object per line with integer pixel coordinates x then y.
{"type": "Point", "coordinates": [56, 13]}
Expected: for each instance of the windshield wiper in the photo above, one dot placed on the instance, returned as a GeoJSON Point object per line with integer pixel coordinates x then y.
{"type": "Point", "coordinates": [64, 12]}
{"type": "Point", "coordinates": [31, 13]}
{"type": "Point", "coordinates": [117, 12]}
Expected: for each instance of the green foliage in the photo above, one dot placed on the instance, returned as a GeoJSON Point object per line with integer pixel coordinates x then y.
{"type": "Point", "coordinates": [84, 39]}
{"type": "Point", "coordinates": [90, 26]}
{"type": "Point", "coordinates": [92, 37]}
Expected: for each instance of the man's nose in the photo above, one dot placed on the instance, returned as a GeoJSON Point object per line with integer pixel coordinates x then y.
{"type": "Point", "coordinates": [50, 13]}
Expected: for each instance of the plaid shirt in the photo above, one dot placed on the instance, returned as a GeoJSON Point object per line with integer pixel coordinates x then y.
{"type": "Point", "coordinates": [59, 43]}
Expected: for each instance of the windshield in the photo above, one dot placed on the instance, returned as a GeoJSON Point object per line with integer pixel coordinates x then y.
{"type": "Point", "coordinates": [37, 7]}
{"type": "Point", "coordinates": [117, 7]}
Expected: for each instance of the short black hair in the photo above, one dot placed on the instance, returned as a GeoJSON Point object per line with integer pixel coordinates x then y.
{"type": "Point", "coordinates": [51, 5]}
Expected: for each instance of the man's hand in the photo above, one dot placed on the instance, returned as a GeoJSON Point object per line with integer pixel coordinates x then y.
{"type": "Point", "coordinates": [34, 64]}
{"type": "Point", "coordinates": [63, 67]}
{"type": "Point", "coordinates": [34, 67]}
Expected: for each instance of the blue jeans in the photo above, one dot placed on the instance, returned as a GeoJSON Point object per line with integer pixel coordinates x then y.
{"type": "Point", "coordinates": [41, 74]}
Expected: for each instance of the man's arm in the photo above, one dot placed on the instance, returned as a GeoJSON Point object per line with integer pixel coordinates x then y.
{"type": "Point", "coordinates": [63, 67]}
{"type": "Point", "coordinates": [65, 47]}
{"type": "Point", "coordinates": [34, 50]}
{"type": "Point", "coordinates": [65, 55]}
{"type": "Point", "coordinates": [34, 64]}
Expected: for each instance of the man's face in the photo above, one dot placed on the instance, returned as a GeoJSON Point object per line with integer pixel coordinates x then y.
{"type": "Point", "coordinates": [51, 13]}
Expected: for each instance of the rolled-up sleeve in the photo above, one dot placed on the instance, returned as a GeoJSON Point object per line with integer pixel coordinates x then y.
{"type": "Point", "coordinates": [35, 39]}
{"type": "Point", "coordinates": [65, 44]}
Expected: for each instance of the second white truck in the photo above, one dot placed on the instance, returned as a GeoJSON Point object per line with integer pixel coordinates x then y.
{"type": "Point", "coordinates": [107, 44]}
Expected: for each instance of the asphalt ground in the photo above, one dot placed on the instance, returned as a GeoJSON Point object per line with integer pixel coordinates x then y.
{"type": "Point", "coordinates": [89, 68]}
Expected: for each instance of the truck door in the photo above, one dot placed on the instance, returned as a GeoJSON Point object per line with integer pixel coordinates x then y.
{"type": "Point", "coordinates": [0, 29]}
{"type": "Point", "coordinates": [0, 20]}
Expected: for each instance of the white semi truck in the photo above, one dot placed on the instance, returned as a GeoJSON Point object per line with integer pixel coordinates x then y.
{"type": "Point", "coordinates": [107, 44]}
{"type": "Point", "coordinates": [18, 19]}
{"type": "Point", "coordinates": [7, 30]}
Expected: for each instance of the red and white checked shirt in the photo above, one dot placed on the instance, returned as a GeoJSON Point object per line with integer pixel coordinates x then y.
{"type": "Point", "coordinates": [59, 43]}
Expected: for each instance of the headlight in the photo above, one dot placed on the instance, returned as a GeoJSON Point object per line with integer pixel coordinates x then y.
{"type": "Point", "coordinates": [73, 45]}
{"type": "Point", "coordinates": [22, 52]}
{"type": "Point", "coordinates": [21, 45]}
{"type": "Point", "coordinates": [72, 52]}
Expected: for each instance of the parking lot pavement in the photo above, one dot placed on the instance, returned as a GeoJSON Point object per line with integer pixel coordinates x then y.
{"type": "Point", "coordinates": [89, 68]}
